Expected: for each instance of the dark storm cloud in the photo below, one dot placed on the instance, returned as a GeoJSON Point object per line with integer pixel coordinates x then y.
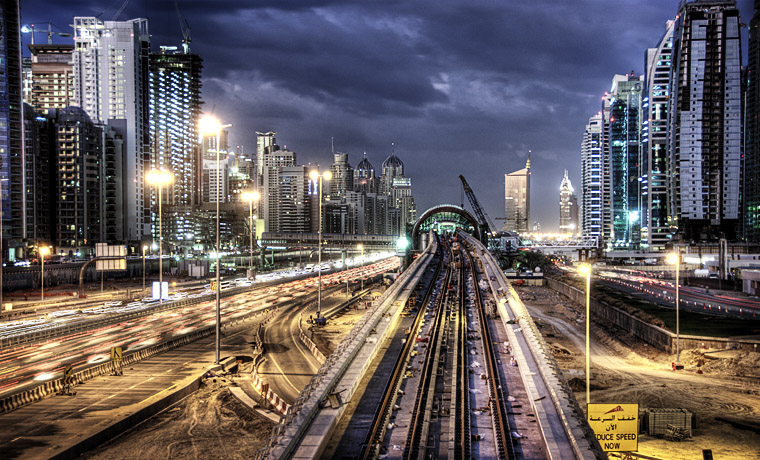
{"type": "Point", "coordinates": [460, 87]}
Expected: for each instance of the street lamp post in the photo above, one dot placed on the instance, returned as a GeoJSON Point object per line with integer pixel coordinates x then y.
{"type": "Point", "coordinates": [314, 175]}
{"type": "Point", "coordinates": [585, 269]}
{"type": "Point", "coordinates": [250, 197]}
{"type": "Point", "coordinates": [43, 251]}
{"type": "Point", "coordinates": [209, 125]}
{"type": "Point", "coordinates": [159, 177]}
{"type": "Point", "coordinates": [674, 258]}
{"type": "Point", "coordinates": [145, 248]}
{"type": "Point", "coordinates": [361, 269]}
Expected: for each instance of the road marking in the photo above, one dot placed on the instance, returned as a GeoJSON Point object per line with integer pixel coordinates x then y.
{"type": "Point", "coordinates": [283, 375]}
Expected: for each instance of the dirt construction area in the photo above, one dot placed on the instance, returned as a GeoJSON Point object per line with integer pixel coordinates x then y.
{"type": "Point", "coordinates": [724, 399]}
{"type": "Point", "coordinates": [209, 424]}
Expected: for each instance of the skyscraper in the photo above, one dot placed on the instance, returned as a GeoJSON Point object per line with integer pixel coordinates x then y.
{"type": "Point", "coordinates": [39, 190]}
{"type": "Point", "coordinates": [398, 188]}
{"type": "Point", "coordinates": [624, 142]}
{"type": "Point", "coordinates": [270, 189]}
{"type": "Point", "coordinates": [11, 124]}
{"type": "Point", "coordinates": [79, 219]}
{"type": "Point", "coordinates": [175, 107]}
{"type": "Point", "coordinates": [592, 198]}
{"type": "Point", "coordinates": [294, 199]}
{"type": "Point", "coordinates": [655, 227]}
{"type": "Point", "coordinates": [568, 207]}
{"type": "Point", "coordinates": [342, 176]}
{"type": "Point", "coordinates": [111, 85]}
{"type": "Point", "coordinates": [704, 120]}
{"type": "Point", "coordinates": [752, 154]}
{"type": "Point", "coordinates": [364, 177]}
{"type": "Point", "coordinates": [52, 77]}
{"type": "Point", "coordinates": [265, 143]}
{"type": "Point", "coordinates": [517, 199]}
{"type": "Point", "coordinates": [174, 82]}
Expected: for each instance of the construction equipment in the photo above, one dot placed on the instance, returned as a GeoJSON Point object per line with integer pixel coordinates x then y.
{"type": "Point", "coordinates": [485, 222]}
{"type": "Point", "coordinates": [120, 10]}
{"type": "Point", "coordinates": [185, 28]}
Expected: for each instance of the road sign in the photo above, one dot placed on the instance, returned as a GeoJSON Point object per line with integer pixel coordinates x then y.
{"type": "Point", "coordinates": [68, 374]}
{"type": "Point", "coordinates": [213, 285]}
{"type": "Point", "coordinates": [616, 426]}
{"type": "Point", "coordinates": [117, 257]}
{"type": "Point", "coordinates": [116, 354]}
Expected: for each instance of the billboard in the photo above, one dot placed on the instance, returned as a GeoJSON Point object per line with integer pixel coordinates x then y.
{"type": "Point", "coordinates": [104, 250]}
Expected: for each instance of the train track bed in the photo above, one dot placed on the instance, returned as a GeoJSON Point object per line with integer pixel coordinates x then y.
{"type": "Point", "coordinates": [398, 427]}
{"type": "Point", "coordinates": [526, 437]}
{"type": "Point", "coordinates": [481, 415]}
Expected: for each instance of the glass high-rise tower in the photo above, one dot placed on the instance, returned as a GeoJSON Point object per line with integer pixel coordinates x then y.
{"type": "Point", "coordinates": [705, 120]}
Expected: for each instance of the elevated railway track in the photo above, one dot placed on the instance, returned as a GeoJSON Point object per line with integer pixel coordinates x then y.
{"type": "Point", "coordinates": [473, 378]}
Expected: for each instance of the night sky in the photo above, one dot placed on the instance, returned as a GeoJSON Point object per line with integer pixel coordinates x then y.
{"type": "Point", "coordinates": [460, 87]}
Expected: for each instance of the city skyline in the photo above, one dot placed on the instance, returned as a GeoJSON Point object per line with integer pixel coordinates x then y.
{"type": "Point", "coordinates": [369, 75]}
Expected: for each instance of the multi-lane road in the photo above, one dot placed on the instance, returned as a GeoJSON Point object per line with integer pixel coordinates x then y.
{"type": "Point", "coordinates": [691, 298]}
{"type": "Point", "coordinates": [25, 366]}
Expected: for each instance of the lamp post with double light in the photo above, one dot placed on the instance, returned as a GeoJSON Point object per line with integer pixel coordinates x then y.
{"type": "Point", "coordinates": [314, 175]}
{"type": "Point", "coordinates": [251, 197]}
{"type": "Point", "coordinates": [210, 126]}
{"type": "Point", "coordinates": [585, 270]}
{"type": "Point", "coordinates": [43, 252]}
{"type": "Point", "coordinates": [159, 178]}
{"type": "Point", "coordinates": [674, 258]}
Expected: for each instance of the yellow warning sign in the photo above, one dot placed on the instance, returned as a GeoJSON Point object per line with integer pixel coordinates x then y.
{"type": "Point", "coordinates": [68, 373]}
{"type": "Point", "coordinates": [616, 426]}
{"type": "Point", "coordinates": [116, 354]}
{"type": "Point", "coordinates": [213, 285]}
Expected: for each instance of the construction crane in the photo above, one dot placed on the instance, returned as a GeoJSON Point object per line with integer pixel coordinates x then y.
{"type": "Point", "coordinates": [26, 29]}
{"type": "Point", "coordinates": [485, 222]}
{"type": "Point", "coordinates": [120, 10]}
{"type": "Point", "coordinates": [185, 28]}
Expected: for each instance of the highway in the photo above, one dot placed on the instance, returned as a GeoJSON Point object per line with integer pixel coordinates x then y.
{"type": "Point", "coordinates": [26, 366]}
{"type": "Point", "coordinates": [691, 298]}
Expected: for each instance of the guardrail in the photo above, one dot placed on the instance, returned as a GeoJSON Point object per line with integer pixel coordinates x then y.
{"type": "Point", "coordinates": [31, 395]}
{"type": "Point", "coordinates": [72, 327]}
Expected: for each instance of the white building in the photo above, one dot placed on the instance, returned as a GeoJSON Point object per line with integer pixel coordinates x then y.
{"type": "Point", "coordinates": [110, 83]}
{"type": "Point", "coordinates": [655, 230]}
{"type": "Point", "coordinates": [592, 186]}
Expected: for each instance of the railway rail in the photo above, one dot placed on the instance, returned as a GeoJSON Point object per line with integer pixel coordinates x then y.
{"type": "Point", "coordinates": [448, 393]}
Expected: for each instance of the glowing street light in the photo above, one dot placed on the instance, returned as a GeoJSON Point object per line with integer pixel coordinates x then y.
{"type": "Point", "coordinates": [159, 178]}
{"type": "Point", "coordinates": [314, 175]}
{"type": "Point", "coordinates": [585, 270]}
{"type": "Point", "coordinates": [43, 251]}
{"type": "Point", "coordinates": [250, 197]}
{"type": "Point", "coordinates": [674, 258]}
{"type": "Point", "coordinates": [210, 126]}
